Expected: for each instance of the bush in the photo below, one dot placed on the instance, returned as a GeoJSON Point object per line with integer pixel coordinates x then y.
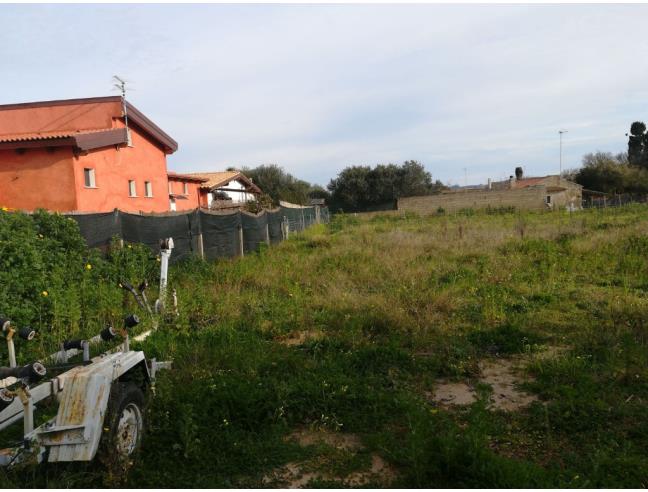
{"type": "Point", "coordinates": [51, 281]}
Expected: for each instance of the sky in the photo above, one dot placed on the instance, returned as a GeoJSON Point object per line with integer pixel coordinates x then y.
{"type": "Point", "coordinates": [470, 91]}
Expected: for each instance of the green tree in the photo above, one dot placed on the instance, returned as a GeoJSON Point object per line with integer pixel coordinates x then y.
{"type": "Point", "coordinates": [359, 188]}
{"type": "Point", "coordinates": [280, 185]}
{"type": "Point", "coordinates": [602, 171]}
{"type": "Point", "coordinates": [350, 190]}
{"type": "Point", "coordinates": [638, 145]}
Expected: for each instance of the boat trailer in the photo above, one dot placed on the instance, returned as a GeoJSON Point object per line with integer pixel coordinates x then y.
{"type": "Point", "coordinates": [100, 399]}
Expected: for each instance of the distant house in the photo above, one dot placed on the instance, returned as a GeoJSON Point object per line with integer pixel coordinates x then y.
{"type": "Point", "coordinates": [185, 191]}
{"type": "Point", "coordinates": [226, 189]}
{"type": "Point", "coordinates": [535, 193]}
{"type": "Point", "coordinates": [81, 155]}
{"type": "Point", "coordinates": [558, 191]}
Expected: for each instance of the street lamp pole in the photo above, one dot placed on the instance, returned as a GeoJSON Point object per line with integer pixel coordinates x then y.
{"type": "Point", "coordinates": [561, 134]}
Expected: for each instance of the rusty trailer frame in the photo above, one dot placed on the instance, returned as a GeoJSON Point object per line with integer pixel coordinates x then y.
{"type": "Point", "coordinates": [82, 392]}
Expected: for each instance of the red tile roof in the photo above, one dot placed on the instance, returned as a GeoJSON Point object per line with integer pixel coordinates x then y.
{"type": "Point", "coordinates": [186, 177]}
{"type": "Point", "coordinates": [219, 179]}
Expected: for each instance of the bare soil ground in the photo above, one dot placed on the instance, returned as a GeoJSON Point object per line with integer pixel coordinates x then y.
{"type": "Point", "coordinates": [504, 377]}
{"type": "Point", "coordinates": [334, 450]}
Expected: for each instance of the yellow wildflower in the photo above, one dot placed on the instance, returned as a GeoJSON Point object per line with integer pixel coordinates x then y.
{"type": "Point", "coordinates": [45, 294]}
{"type": "Point", "coordinates": [88, 266]}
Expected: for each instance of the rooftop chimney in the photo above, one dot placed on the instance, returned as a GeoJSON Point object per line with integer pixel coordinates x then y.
{"type": "Point", "coordinates": [519, 172]}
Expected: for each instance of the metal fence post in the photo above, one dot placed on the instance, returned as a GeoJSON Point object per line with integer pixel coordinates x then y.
{"type": "Point", "coordinates": [201, 247]}
{"type": "Point", "coordinates": [240, 231]}
{"type": "Point", "coordinates": [267, 234]}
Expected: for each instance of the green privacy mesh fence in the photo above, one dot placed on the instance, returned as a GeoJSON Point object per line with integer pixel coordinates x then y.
{"type": "Point", "coordinates": [208, 234]}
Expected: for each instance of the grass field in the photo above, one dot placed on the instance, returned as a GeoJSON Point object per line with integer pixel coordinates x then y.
{"type": "Point", "coordinates": [490, 350]}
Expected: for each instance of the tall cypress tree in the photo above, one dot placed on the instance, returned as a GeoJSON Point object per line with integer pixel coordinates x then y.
{"type": "Point", "coordinates": [638, 145]}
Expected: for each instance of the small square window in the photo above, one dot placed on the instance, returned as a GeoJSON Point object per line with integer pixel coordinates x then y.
{"type": "Point", "coordinates": [185, 189]}
{"type": "Point", "coordinates": [148, 189]}
{"type": "Point", "coordinates": [89, 178]}
{"type": "Point", "coordinates": [548, 200]}
{"type": "Point", "coordinates": [132, 190]}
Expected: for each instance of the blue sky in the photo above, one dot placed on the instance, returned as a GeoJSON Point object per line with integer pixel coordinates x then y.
{"type": "Point", "coordinates": [316, 88]}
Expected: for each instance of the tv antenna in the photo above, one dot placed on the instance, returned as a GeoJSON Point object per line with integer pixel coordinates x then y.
{"type": "Point", "coordinates": [120, 85]}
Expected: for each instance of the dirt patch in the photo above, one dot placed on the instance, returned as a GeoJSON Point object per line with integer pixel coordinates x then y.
{"type": "Point", "coordinates": [300, 337]}
{"type": "Point", "coordinates": [503, 376]}
{"type": "Point", "coordinates": [336, 446]}
{"type": "Point", "coordinates": [446, 393]}
{"type": "Point", "coordinates": [338, 440]}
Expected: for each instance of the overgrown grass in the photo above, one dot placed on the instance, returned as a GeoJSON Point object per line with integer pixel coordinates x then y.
{"type": "Point", "coordinates": [397, 302]}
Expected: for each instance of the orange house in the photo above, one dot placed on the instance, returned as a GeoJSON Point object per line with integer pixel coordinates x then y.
{"type": "Point", "coordinates": [185, 191]}
{"type": "Point", "coordinates": [89, 155]}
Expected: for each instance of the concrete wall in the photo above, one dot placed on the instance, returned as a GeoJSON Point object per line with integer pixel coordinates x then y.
{"type": "Point", "coordinates": [532, 198]}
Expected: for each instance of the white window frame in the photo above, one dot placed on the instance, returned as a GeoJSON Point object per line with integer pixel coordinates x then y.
{"type": "Point", "coordinates": [170, 187]}
{"type": "Point", "coordinates": [132, 188]}
{"type": "Point", "coordinates": [148, 189]}
{"type": "Point", "coordinates": [185, 188]}
{"type": "Point", "coordinates": [89, 178]}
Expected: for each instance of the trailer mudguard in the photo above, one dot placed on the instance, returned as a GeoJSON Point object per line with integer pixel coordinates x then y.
{"type": "Point", "coordinates": [75, 433]}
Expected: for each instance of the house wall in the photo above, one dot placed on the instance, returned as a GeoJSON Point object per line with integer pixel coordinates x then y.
{"type": "Point", "coordinates": [38, 178]}
{"type": "Point", "coordinates": [571, 197]}
{"type": "Point", "coordinates": [114, 167]}
{"type": "Point", "coordinates": [193, 196]}
{"type": "Point", "coordinates": [531, 198]}
{"type": "Point", "coordinates": [87, 116]}
{"type": "Point", "coordinates": [238, 196]}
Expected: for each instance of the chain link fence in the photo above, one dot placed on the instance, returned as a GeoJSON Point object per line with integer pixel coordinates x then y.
{"type": "Point", "coordinates": [610, 200]}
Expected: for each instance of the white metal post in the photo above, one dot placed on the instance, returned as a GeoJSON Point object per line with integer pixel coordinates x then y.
{"type": "Point", "coordinates": [165, 254]}
{"type": "Point", "coordinates": [11, 349]}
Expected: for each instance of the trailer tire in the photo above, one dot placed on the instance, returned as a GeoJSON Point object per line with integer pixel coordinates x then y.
{"type": "Point", "coordinates": [123, 424]}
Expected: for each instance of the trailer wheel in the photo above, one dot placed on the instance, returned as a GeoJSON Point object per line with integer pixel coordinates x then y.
{"type": "Point", "coordinates": [124, 423]}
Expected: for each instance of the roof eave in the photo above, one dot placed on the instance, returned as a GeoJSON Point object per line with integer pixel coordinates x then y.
{"type": "Point", "coordinates": [83, 142]}
{"type": "Point", "coordinates": [138, 118]}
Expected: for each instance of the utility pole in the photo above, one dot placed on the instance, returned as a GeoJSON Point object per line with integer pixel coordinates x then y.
{"type": "Point", "coordinates": [560, 132]}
